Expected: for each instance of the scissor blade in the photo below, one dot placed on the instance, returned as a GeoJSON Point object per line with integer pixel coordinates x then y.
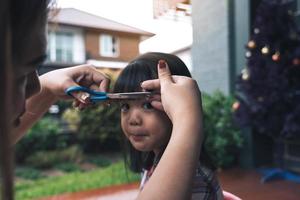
{"type": "Point", "coordinates": [129, 95]}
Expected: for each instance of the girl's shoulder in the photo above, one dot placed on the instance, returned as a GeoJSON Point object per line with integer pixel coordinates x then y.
{"type": "Point", "coordinates": [206, 184]}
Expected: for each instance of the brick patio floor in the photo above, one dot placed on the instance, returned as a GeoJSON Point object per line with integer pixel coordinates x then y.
{"type": "Point", "coordinates": [243, 183]}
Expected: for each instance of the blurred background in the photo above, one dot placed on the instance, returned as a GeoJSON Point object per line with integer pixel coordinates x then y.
{"type": "Point", "coordinates": [222, 43]}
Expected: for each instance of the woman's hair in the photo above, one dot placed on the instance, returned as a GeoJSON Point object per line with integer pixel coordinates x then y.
{"type": "Point", "coordinates": [140, 69]}
{"type": "Point", "coordinates": [17, 20]}
{"type": "Point", "coordinates": [25, 15]}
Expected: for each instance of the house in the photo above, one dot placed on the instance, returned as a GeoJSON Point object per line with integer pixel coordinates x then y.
{"type": "Point", "coordinates": [175, 33]}
{"type": "Point", "coordinates": [76, 37]}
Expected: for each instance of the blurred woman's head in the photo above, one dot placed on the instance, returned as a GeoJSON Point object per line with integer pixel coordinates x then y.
{"type": "Point", "coordinates": [28, 21]}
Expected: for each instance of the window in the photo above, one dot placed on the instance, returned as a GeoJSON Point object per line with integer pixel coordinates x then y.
{"type": "Point", "coordinates": [109, 45]}
{"type": "Point", "coordinates": [60, 48]}
{"type": "Point", "coordinates": [64, 47]}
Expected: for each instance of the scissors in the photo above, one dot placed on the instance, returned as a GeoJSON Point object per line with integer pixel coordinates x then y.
{"type": "Point", "coordinates": [95, 96]}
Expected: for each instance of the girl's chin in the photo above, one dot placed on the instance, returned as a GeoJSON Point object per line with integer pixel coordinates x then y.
{"type": "Point", "coordinates": [141, 148]}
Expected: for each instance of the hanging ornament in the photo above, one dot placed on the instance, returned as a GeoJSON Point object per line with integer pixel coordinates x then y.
{"type": "Point", "coordinates": [290, 13]}
{"type": "Point", "coordinates": [276, 56]}
{"type": "Point", "coordinates": [245, 74]}
{"type": "Point", "coordinates": [248, 54]}
{"type": "Point", "coordinates": [296, 61]}
{"type": "Point", "coordinates": [294, 35]}
{"type": "Point", "coordinates": [235, 106]}
{"type": "Point", "coordinates": [260, 99]}
{"type": "Point", "coordinates": [251, 44]}
{"type": "Point", "coordinates": [265, 50]}
{"type": "Point", "coordinates": [256, 31]}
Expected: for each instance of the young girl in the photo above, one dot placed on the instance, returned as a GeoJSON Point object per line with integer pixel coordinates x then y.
{"type": "Point", "coordinates": [148, 130]}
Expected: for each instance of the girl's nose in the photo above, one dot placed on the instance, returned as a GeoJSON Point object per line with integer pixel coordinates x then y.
{"type": "Point", "coordinates": [135, 118]}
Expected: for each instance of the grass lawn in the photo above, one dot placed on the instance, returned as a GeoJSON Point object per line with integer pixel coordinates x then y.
{"type": "Point", "coordinates": [113, 175]}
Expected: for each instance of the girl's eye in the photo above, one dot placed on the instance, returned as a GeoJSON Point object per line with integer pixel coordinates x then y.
{"type": "Point", "coordinates": [124, 107]}
{"type": "Point", "coordinates": [147, 106]}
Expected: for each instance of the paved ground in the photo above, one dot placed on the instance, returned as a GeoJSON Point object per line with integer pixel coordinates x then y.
{"type": "Point", "coordinates": [245, 184]}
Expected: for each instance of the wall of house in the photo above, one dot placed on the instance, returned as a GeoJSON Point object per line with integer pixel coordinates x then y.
{"type": "Point", "coordinates": [185, 56]}
{"type": "Point", "coordinates": [210, 49]}
{"type": "Point", "coordinates": [128, 45]}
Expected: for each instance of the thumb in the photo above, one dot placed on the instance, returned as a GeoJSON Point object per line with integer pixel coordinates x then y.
{"type": "Point", "coordinates": [164, 73]}
{"type": "Point", "coordinates": [82, 97]}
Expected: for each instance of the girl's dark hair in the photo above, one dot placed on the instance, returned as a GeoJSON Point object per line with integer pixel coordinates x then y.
{"type": "Point", "coordinates": [144, 68]}
{"type": "Point", "coordinates": [16, 22]}
{"type": "Point", "coordinates": [140, 69]}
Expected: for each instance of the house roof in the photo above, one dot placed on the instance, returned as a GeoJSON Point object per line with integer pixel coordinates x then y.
{"type": "Point", "coordinates": [75, 17]}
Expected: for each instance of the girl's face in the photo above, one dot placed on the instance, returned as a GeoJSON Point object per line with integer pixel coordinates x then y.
{"type": "Point", "coordinates": [147, 129]}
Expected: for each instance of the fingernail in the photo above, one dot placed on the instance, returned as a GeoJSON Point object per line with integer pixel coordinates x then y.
{"type": "Point", "coordinates": [162, 64]}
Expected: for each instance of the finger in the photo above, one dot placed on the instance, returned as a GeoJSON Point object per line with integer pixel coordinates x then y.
{"type": "Point", "coordinates": [81, 106]}
{"type": "Point", "coordinates": [75, 103]}
{"type": "Point", "coordinates": [155, 97]}
{"type": "Point", "coordinates": [91, 76]}
{"type": "Point", "coordinates": [164, 73]}
{"type": "Point", "coordinates": [100, 79]}
{"type": "Point", "coordinates": [157, 105]}
{"type": "Point", "coordinates": [229, 196]}
{"type": "Point", "coordinates": [94, 87]}
{"type": "Point", "coordinates": [104, 85]}
{"type": "Point", "coordinates": [151, 84]}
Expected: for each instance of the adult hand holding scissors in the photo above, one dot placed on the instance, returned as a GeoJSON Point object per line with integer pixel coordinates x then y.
{"type": "Point", "coordinates": [84, 75]}
{"type": "Point", "coordinates": [53, 86]}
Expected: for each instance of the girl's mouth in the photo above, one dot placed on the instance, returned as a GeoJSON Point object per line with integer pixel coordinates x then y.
{"type": "Point", "coordinates": [138, 137]}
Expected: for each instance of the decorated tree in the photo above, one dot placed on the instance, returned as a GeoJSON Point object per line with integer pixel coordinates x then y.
{"type": "Point", "coordinates": [268, 89]}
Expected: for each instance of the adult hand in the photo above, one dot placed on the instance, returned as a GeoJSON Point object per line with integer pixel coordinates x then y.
{"type": "Point", "coordinates": [230, 196]}
{"type": "Point", "coordinates": [58, 81]}
{"type": "Point", "coordinates": [179, 94]}
{"type": "Point", "coordinates": [180, 99]}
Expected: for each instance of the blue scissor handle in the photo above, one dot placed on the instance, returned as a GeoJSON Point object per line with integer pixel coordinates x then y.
{"type": "Point", "coordinates": [95, 96]}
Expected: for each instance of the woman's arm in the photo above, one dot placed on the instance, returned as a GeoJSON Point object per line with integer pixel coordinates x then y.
{"type": "Point", "coordinates": [181, 100]}
{"type": "Point", "coordinates": [53, 86]}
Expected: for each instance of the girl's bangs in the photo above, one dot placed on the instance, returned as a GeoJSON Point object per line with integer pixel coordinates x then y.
{"type": "Point", "coordinates": [133, 75]}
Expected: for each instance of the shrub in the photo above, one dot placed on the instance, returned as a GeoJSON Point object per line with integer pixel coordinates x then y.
{"type": "Point", "coordinates": [223, 138]}
{"type": "Point", "coordinates": [68, 167]}
{"type": "Point", "coordinates": [71, 116]}
{"type": "Point", "coordinates": [99, 128]}
{"type": "Point", "coordinates": [100, 161]}
{"type": "Point", "coordinates": [28, 173]}
{"type": "Point", "coordinates": [48, 159]}
{"type": "Point", "coordinates": [42, 136]}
